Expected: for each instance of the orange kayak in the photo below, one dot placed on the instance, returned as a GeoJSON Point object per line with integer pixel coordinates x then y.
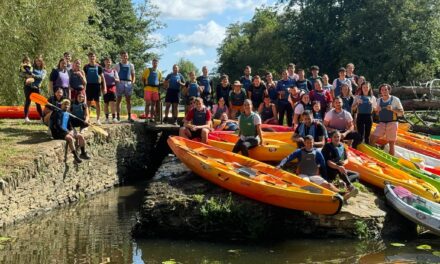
{"type": "Point", "coordinates": [378, 173]}
{"type": "Point", "coordinates": [285, 137]}
{"type": "Point", "coordinates": [17, 112]}
{"type": "Point", "coordinates": [254, 179]}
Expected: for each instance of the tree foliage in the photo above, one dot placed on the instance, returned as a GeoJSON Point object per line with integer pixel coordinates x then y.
{"type": "Point", "coordinates": [52, 27]}
{"type": "Point", "coordinates": [186, 66]}
{"type": "Point", "coordinates": [388, 41]}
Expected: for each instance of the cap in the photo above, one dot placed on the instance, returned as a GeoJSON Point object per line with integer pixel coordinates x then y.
{"type": "Point", "coordinates": [237, 83]}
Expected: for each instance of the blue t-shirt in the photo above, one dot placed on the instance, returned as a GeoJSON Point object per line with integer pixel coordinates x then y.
{"type": "Point", "coordinates": [284, 85]}
{"type": "Point", "coordinates": [174, 80]}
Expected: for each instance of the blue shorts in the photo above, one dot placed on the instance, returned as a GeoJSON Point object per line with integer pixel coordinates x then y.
{"type": "Point", "coordinates": [124, 88]}
{"type": "Point", "coordinates": [172, 96]}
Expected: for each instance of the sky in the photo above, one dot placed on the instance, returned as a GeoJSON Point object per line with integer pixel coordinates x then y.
{"type": "Point", "coordinates": [198, 28]}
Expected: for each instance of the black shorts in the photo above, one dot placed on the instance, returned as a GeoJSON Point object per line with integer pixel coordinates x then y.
{"type": "Point", "coordinates": [196, 134]}
{"type": "Point", "coordinates": [93, 91]}
{"type": "Point", "coordinates": [56, 134]}
{"type": "Point", "coordinates": [109, 97]}
{"type": "Point", "coordinates": [172, 96]}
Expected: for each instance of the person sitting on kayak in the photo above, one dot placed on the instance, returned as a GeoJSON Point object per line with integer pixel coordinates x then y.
{"type": "Point", "coordinates": [226, 124]}
{"type": "Point", "coordinates": [311, 127]}
{"type": "Point", "coordinates": [268, 111]}
{"type": "Point", "coordinates": [197, 122]}
{"type": "Point", "coordinates": [335, 156]}
{"type": "Point", "coordinates": [250, 130]}
{"type": "Point", "coordinates": [388, 108]}
{"type": "Point", "coordinates": [61, 128]}
{"type": "Point", "coordinates": [310, 163]}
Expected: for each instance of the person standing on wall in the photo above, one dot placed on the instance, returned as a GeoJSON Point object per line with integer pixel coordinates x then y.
{"type": "Point", "coordinates": [172, 84]}
{"type": "Point", "coordinates": [95, 80]}
{"type": "Point", "coordinates": [205, 84]}
{"type": "Point", "coordinates": [151, 79]}
{"type": "Point", "coordinates": [127, 76]}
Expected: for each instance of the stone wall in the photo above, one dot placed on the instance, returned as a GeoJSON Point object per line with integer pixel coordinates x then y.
{"type": "Point", "coordinates": [52, 178]}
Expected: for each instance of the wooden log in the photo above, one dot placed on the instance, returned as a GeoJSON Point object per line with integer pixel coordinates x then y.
{"type": "Point", "coordinates": [420, 105]}
{"type": "Point", "coordinates": [407, 92]}
{"type": "Point", "coordinates": [433, 130]}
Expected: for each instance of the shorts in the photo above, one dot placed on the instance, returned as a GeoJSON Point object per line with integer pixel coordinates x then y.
{"type": "Point", "coordinates": [74, 93]}
{"type": "Point", "coordinates": [237, 107]}
{"type": "Point", "coordinates": [56, 134]}
{"type": "Point", "coordinates": [172, 96]}
{"type": "Point", "coordinates": [315, 179]}
{"type": "Point", "coordinates": [93, 92]}
{"type": "Point", "coordinates": [195, 134]}
{"type": "Point", "coordinates": [124, 88]}
{"type": "Point", "coordinates": [78, 123]}
{"type": "Point", "coordinates": [387, 130]}
{"type": "Point", "coordinates": [109, 97]}
{"type": "Point", "coordinates": [151, 96]}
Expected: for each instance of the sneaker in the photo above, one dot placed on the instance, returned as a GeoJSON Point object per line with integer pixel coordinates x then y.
{"type": "Point", "coordinates": [27, 120]}
{"type": "Point", "coordinates": [85, 156]}
{"type": "Point", "coordinates": [76, 158]}
{"type": "Point", "coordinates": [107, 121]}
{"type": "Point", "coordinates": [353, 191]}
{"type": "Point", "coordinates": [165, 120]}
{"type": "Point", "coordinates": [115, 120]}
{"type": "Point", "coordinates": [98, 122]}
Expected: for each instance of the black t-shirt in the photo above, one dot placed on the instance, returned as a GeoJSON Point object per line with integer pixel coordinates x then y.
{"type": "Point", "coordinates": [335, 154]}
{"type": "Point", "coordinates": [318, 127]}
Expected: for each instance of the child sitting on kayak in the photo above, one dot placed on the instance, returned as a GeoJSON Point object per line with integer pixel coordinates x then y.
{"type": "Point", "coordinates": [61, 128]}
{"type": "Point", "coordinates": [226, 124]}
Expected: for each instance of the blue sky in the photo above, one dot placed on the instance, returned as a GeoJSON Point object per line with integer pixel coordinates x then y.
{"type": "Point", "coordinates": [199, 27]}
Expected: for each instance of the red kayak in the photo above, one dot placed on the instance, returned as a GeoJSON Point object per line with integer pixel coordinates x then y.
{"type": "Point", "coordinates": [17, 112]}
{"type": "Point", "coordinates": [275, 128]}
{"type": "Point", "coordinates": [434, 170]}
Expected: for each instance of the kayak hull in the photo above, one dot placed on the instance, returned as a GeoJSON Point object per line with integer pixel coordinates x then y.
{"type": "Point", "coordinates": [17, 112]}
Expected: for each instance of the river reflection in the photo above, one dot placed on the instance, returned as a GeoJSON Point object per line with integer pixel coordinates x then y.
{"type": "Point", "coordinates": [98, 231]}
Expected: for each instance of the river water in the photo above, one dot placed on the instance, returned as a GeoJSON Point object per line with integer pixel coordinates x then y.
{"type": "Point", "coordinates": [98, 231]}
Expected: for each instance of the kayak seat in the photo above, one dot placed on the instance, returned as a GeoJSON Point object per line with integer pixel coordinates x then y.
{"type": "Point", "coordinates": [422, 208]}
{"type": "Point", "coordinates": [247, 172]}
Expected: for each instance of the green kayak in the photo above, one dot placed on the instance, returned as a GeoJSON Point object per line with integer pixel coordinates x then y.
{"type": "Point", "coordinates": [401, 164]}
{"type": "Point", "coordinates": [434, 137]}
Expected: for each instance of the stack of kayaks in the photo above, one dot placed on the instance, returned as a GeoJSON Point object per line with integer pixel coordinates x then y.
{"type": "Point", "coordinates": [254, 179]}
{"type": "Point", "coordinates": [377, 173]}
{"type": "Point", "coordinates": [17, 112]}
{"type": "Point", "coordinates": [271, 150]}
{"type": "Point", "coordinates": [414, 207]}
{"type": "Point", "coordinates": [423, 161]}
{"type": "Point", "coordinates": [401, 164]}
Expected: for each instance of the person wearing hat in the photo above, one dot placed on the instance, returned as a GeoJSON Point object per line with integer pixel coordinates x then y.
{"type": "Point", "coordinates": [315, 75]}
{"type": "Point", "coordinates": [236, 99]}
{"type": "Point", "coordinates": [337, 83]}
{"type": "Point", "coordinates": [61, 128]}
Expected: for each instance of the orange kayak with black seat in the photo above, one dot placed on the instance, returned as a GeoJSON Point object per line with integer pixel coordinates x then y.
{"type": "Point", "coordinates": [254, 179]}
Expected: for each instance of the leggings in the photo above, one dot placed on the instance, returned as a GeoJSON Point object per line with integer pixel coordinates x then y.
{"type": "Point", "coordinates": [363, 124]}
{"type": "Point", "coordinates": [27, 93]}
{"type": "Point", "coordinates": [245, 145]}
{"type": "Point", "coordinates": [285, 108]}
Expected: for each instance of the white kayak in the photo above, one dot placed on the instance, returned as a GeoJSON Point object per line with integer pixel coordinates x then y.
{"type": "Point", "coordinates": [416, 157]}
{"type": "Point", "coordinates": [415, 208]}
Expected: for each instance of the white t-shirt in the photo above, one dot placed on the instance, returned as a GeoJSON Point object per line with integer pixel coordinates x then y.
{"type": "Point", "coordinates": [299, 109]}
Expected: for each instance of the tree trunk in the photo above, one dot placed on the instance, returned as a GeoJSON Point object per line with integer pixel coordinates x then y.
{"type": "Point", "coordinates": [416, 104]}
{"type": "Point", "coordinates": [426, 130]}
{"type": "Point", "coordinates": [407, 92]}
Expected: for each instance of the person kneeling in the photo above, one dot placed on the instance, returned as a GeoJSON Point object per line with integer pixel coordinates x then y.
{"type": "Point", "coordinates": [310, 161]}
{"type": "Point", "coordinates": [197, 122]}
{"type": "Point", "coordinates": [61, 128]}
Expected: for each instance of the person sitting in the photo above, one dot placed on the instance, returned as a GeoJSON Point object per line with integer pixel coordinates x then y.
{"type": "Point", "coordinates": [340, 120]}
{"type": "Point", "coordinates": [220, 108]}
{"type": "Point", "coordinates": [250, 130]}
{"type": "Point", "coordinates": [310, 163]}
{"type": "Point", "coordinates": [268, 111]}
{"type": "Point", "coordinates": [197, 122]}
{"type": "Point", "coordinates": [226, 124]}
{"type": "Point", "coordinates": [55, 100]}
{"type": "Point", "coordinates": [309, 127]}
{"type": "Point", "coordinates": [336, 158]}
{"type": "Point", "coordinates": [79, 109]}
{"type": "Point", "coordinates": [236, 99]}
{"type": "Point", "coordinates": [61, 128]}
{"type": "Point", "coordinates": [316, 111]}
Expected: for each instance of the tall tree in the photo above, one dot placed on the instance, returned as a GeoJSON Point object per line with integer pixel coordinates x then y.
{"type": "Point", "coordinates": [186, 66]}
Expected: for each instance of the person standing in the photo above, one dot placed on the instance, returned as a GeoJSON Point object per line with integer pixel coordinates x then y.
{"type": "Point", "coordinates": [59, 78]}
{"type": "Point", "coordinates": [315, 75]}
{"type": "Point", "coordinates": [340, 120]}
{"type": "Point", "coordinates": [388, 108]}
{"type": "Point", "coordinates": [236, 100]}
{"type": "Point", "coordinates": [127, 76]}
{"type": "Point", "coordinates": [337, 83]}
{"type": "Point", "coordinates": [271, 86]}
{"type": "Point", "coordinates": [173, 82]}
{"type": "Point", "coordinates": [68, 58]}
{"type": "Point", "coordinates": [95, 84]}
{"type": "Point", "coordinates": [151, 79]}
{"type": "Point", "coordinates": [291, 72]}
{"type": "Point", "coordinates": [363, 105]}
{"type": "Point", "coordinates": [192, 89]}
{"type": "Point", "coordinates": [352, 77]}
{"type": "Point", "coordinates": [347, 98]}
{"type": "Point", "coordinates": [302, 83]}
{"type": "Point", "coordinates": [205, 84]}
{"type": "Point", "coordinates": [38, 74]}
{"type": "Point", "coordinates": [246, 79]}
{"type": "Point", "coordinates": [111, 80]}
{"type": "Point", "coordinates": [256, 91]}
{"type": "Point", "coordinates": [223, 88]}
{"type": "Point", "coordinates": [283, 105]}
{"type": "Point", "coordinates": [77, 80]}
{"type": "Point", "coordinates": [326, 85]}
{"type": "Point", "coordinates": [323, 96]}
{"type": "Point", "coordinates": [249, 124]}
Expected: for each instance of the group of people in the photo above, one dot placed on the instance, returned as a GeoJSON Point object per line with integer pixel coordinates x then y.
{"type": "Point", "coordinates": [316, 110]}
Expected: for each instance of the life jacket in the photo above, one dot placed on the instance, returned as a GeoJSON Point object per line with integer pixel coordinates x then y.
{"type": "Point", "coordinates": [312, 131]}
{"type": "Point", "coordinates": [386, 115]}
{"type": "Point", "coordinates": [124, 72]}
{"type": "Point", "coordinates": [307, 107]}
{"type": "Point", "coordinates": [238, 99]}
{"type": "Point", "coordinates": [338, 86]}
{"type": "Point", "coordinates": [193, 90]}
{"type": "Point", "coordinates": [267, 112]}
{"type": "Point", "coordinates": [347, 103]}
{"type": "Point", "coordinates": [273, 94]}
{"type": "Point", "coordinates": [199, 118]}
{"type": "Point", "coordinates": [307, 163]}
{"type": "Point", "coordinates": [75, 81]}
{"type": "Point", "coordinates": [257, 94]}
{"type": "Point", "coordinates": [246, 124]}
{"type": "Point", "coordinates": [302, 85]}
{"type": "Point", "coordinates": [246, 82]}
{"type": "Point", "coordinates": [110, 77]}
{"type": "Point", "coordinates": [174, 81]}
{"type": "Point", "coordinates": [204, 81]}
{"type": "Point", "coordinates": [62, 79]}
{"type": "Point", "coordinates": [153, 78]}
{"type": "Point", "coordinates": [338, 152]}
{"type": "Point", "coordinates": [92, 74]}
{"type": "Point", "coordinates": [365, 107]}
{"type": "Point", "coordinates": [78, 109]}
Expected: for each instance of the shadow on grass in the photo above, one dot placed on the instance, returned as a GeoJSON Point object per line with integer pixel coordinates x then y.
{"type": "Point", "coordinates": [32, 136]}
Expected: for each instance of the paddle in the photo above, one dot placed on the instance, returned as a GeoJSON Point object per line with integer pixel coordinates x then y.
{"type": "Point", "coordinates": [41, 100]}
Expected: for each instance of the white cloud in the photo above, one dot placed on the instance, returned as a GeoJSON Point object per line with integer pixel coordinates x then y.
{"type": "Point", "coordinates": [209, 35]}
{"type": "Point", "coordinates": [193, 51]}
{"type": "Point", "coordinates": [208, 63]}
{"type": "Point", "coordinates": [196, 10]}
